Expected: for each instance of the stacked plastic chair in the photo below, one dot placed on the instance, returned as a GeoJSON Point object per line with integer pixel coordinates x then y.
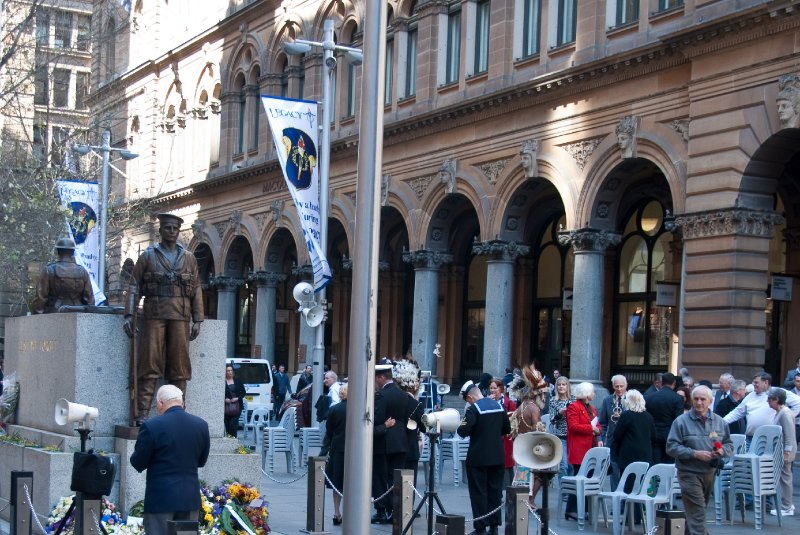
{"type": "Point", "coordinates": [257, 421]}
{"type": "Point", "coordinates": [757, 472]}
{"type": "Point", "coordinates": [665, 475]}
{"type": "Point", "coordinates": [588, 482]}
{"type": "Point", "coordinates": [722, 483]}
{"type": "Point", "coordinates": [310, 437]}
{"type": "Point", "coordinates": [280, 439]}
{"type": "Point", "coordinates": [636, 471]}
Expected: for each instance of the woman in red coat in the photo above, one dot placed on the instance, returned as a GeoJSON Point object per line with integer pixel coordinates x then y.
{"type": "Point", "coordinates": [497, 391]}
{"type": "Point", "coordinates": [582, 433]}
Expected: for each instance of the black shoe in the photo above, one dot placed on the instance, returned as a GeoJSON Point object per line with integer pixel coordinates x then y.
{"type": "Point", "coordinates": [378, 518]}
{"type": "Point", "coordinates": [493, 530]}
{"type": "Point", "coordinates": [337, 521]}
{"type": "Point", "coordinates": [570, 516]}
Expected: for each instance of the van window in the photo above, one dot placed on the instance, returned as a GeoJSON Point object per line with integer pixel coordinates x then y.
{"type": "Point", "coordinates": [250, 372]}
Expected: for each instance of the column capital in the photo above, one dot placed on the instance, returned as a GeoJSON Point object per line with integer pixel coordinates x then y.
{"type": "Point", "coordinates": [304, 272]}
{"type": "Point", "coordinates": [268, 279]}
{"type": "Point", "coordinates": [500, 250]}
{"type": "Point", "coordinates": [589, 239]}
{"type": "Point", "coordinates": [422, 259]}
{"type": "Point", "coordinates": [226, 284]}
{"type": "Point", "coordinates": [728, 221]}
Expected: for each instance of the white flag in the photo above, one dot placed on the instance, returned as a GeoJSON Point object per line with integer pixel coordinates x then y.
{"type": "Point", "coordinates": [295, 124]}
{"type": "Point", "coordinates": [81, 200]}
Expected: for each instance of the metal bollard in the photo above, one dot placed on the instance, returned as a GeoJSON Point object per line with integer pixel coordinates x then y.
{"type": "Point", "coordinates": [516, 511]}
{"type": "Point", "coordinates": [183, 527]}
{"type": "Point", "coordinates": [402, 501]}
{"type": "Point", "coordinates": [450, 525]}
{"type": "Point", "coordinates": [88, 511]}
{"type": "Point", "coordinates": [21, 519]}
{"type": "Point", "coordinates": [315, 498]}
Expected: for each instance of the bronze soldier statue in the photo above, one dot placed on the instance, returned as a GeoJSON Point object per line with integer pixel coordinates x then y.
{"type": "Point", "coordinates": [63, 282]}
{"type": "Point", "coordinates": [166, 276]}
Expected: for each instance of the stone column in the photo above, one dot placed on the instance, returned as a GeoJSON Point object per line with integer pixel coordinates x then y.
{"type": "Point", "coordinates": [266, 298]}
{"type": "Point", "coordinates": [426, 301]}
{"type": "Point", "coordinates": [792, 310]}
{"type": "Point", "coordinates": [308, 335]}
{"type": "Point", "coordinates": [498, 327]}
{"type": "Point", "coordinates": [227, 287]}
{"type": "Point", "coordinates": [587, 302]}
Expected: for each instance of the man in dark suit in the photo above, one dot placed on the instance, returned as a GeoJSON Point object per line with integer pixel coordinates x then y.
{"type": "Point", "coordinates": [485, 422]}
{"type": "Point", "coordinates": [656, 386]}
{"type": "Point", "coordinates": [724, 390]}
{"type": "Point", "coordinates": [664, 406]}
{"type": "Point", "coordinates": [281, 387]}
{"type": "Point", "coordinates": [608, 416]}
{"type": "Point", "coordinates": [171, 447]}
{"type": "Point", "coordinates": [738, 390]}
{"type": "Point", "coordinates": [395, 406]}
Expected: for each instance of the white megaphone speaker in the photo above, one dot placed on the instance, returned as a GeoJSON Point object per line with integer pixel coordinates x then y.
{"type": "Point", "coordinates": [303, 292]}
{"type": "Point", "coordinates": [443, 389]}
{"type": "Point", "coordinates": [446, 420]}
{"type": "Point", "coordinates": [537, 451]}
{"type": "Point", "coordinates": [67, 412]}
{"type": "Point", "coordinates": [314, 315]}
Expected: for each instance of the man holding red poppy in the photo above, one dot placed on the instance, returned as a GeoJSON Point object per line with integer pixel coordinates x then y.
{"type": "Point", "coordinates": [698, 440]}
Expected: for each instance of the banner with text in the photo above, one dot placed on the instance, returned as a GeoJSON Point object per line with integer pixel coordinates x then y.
{"type": "Point", "coordinates": [295, 125]}
{"type": "Point", "coordinates": [81, 201]}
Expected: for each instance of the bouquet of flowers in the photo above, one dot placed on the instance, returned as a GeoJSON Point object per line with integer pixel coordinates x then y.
{"type": "Point", "coordinates": [224, 506]}
{"type": "Point", "coordinates": [109, 517]}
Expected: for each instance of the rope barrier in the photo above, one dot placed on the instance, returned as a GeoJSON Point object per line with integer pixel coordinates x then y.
{"type": "Point", "coordinates": [337, 491]}
{"type": "Point", "coordinates": [420, 496]}
{"type": "Point", "coordinates": [33, 511]}
{"type": "Point", "coordinates": [298, 478]}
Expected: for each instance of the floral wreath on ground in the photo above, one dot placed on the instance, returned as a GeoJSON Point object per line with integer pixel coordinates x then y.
{"type": "Point", "coordinates": [109, 518]}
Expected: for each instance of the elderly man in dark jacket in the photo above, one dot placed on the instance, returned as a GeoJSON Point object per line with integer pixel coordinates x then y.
{"type": "Point", "coordinates": [171, 447]}
{"type": "Point", "coordinates": [485, 422]}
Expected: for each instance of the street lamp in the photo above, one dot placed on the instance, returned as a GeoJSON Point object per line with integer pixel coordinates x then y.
{"type": "Point", "coordinates": [105, 149]}
{"type": "Point", "coordinates": [353, 55]}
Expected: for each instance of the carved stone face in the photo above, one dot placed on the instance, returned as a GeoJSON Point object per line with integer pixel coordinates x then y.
{"type": "Point", "coordinates": [624, 140]}
{"type": "Point", "coordinates": [787, 113]}
{"type": "Point", "coordinates": [527, 160]}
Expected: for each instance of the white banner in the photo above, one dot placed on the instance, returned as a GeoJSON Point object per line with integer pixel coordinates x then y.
{"type": "Point", "coordinates": [81, 200]}
{"type": "Point", "coordinates": [295, 125]}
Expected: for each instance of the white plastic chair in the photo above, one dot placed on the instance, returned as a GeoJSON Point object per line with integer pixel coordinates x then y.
{"type": "Point", "coordinates": [425, 457]}
{"type": "Point", "coordinates": [243, 416]}
{"type": "Point", "coordinates": [722, 483]}
{"type": "Point", "coordinates": [637, 471]}
{"type": "Point", "coordinates": [757, 472]}
{"type": "Point", "coordinates": [447, 448]}
{"type": "Point", "coordinates": [588, 482]}
{"type": "Point", "coordinates": [256, 422]}
{"type": "Point", "coordinates": [310, 437]}
{"type": "Point", "coordinates": [280, 439]}
{"type": "Point", "coordinates": [666, 477]}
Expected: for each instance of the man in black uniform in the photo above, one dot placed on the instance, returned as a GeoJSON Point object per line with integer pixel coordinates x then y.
{"type": "Point", "coordinates": [664, 406]}
{"type": "Point", "coordinates": [485, 422]}
{"type": "Point", "coordinates": [63, 282]}
{"type": "Point", "coordinates": [394, 405]}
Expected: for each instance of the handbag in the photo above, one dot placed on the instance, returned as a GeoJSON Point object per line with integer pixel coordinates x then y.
{"type": "Point", "coordinates": [92, 473]}
{"type": "Point", "coordinates": [231, 409]}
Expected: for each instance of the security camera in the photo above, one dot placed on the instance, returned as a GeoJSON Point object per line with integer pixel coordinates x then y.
{"type": "Point", "coordinates": [330, 62]}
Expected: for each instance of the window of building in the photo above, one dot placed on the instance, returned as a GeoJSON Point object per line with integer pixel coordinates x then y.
{"type": "Point", "coordinates": [42, 27]}
{"type": "Point", "coordinates": [41, 85]}
{"type": "Point", "coordinates": [351, 90]}
{"type": "Point", "coordinates": [284, 77]}
{"type": "Point", "coordinates": [61, 88]}
{"type": "Point", "coordinates": [664, 5]}
{"type": "Point", "coordinates": [475, 317]}
{"type": "Point", "coordinates": [388, 73]}
{"type": "Point", "coordinates": [109, 58]}
{"type": "Point", "coordinates": [627, 11]}
{"type": "Point", "coordinates": [256, 105]}
{"type": "Point", "coordinates": [242, 114]}
{"type": "Point", "coordinates": [410, 88]}
{"type": "Point", "coordinates": [481, 63]}
{"type": "Point", "coordinates": [84, 33]}
{"type": "Point", "coordinates": [567, 21]}
{"type": "Point", "coordinates": [58, 145]}
{"type": "Point", "coordinates": [453, 51]}
{"type": "Point", "coordinates": [643, 331]}
{"type": "Point", "coordinates": [531, 27]}
{"type": "Point", "coordinates": [63, 30]}
{"type": "Point", "coordinates": [81, 90]}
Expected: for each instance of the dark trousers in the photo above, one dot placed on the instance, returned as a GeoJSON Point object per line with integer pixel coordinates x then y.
{"type": "Point", "coordinates": [485, 484]}
{"type": "Point", "coordinates": [232, 425]}
{"type": "Point", "coordinates": [156, 523]}
{"type": "Point", "coordinates": [380, 482]}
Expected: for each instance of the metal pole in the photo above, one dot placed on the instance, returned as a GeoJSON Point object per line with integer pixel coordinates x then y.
{"type": "Point", "coordinates": [363, 308]}
{"type": "Point", "coordinates": [101, 270]}
{"type": "Point", "coordinates": [328, 68]}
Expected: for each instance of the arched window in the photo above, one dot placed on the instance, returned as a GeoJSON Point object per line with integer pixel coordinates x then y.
{"type": "Point", "coordinates": [214, 127]}
{"type": "Point", "coordinates": [109, 56]}
{"type": "Point", "coordinates": [256, 106]}
{"type": "Point", "coordinates": [241, 122]}
{"type": "Point", "coordinates": [643, 331]}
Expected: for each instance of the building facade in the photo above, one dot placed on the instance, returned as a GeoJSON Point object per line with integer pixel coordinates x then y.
{"type": "Point", "coordinates": [600, 187]}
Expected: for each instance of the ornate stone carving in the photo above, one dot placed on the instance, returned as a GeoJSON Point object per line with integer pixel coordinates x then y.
{"type": "Point", "coordinates": [529, 154]}
{"type": "Point", "coordinates": [352, 196]}
{"type": "Point", "coordinates": [589, 239]}
{"type": "Point", "coordinates": [273, 186]}
{"type": "Point", "coordinates": [198, 228]}
{"type": "Point", "coordinates": [602, 210]}
{"type": "Point", "coordinates": [221, 227]}
{"type": "Point", "coordinates": [681, 126]}
{"type": "Point", "coordinates": [419, 185]}
{"type": "Point", "coordinates": [729, 221]}
{"type": "Point", "coordinates": [386, 181]}
{"type": "Point", "coordinates": [500, 250]}
{"type": "Point", "coordinates": [626, 132]}
{"type": "Point", "coordinates": [582, 150]}
{"type": "Point", "coordinates": [303, 272]}
{"type": "Point", "coordinates": [422, 259]}
{"type": "Point", "coordinates": [261, 220]}
{"type": "Point", "coordinates": [269, 279]}
{"type": "Point", "coordinates": [788, 100]}
{"type": "Point", "coordinates": [492, 170]}
{"type": "Point", "coordinates": [235, 222]}
{"type": "Point", "coordinates": [226, 284]}
{"type": "Point", "coordinates": [277, 208]}
{"type": "Point", "coordinates": [447, 174]}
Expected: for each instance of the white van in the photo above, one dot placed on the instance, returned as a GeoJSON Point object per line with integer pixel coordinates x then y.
{"type": "Point", "coordinates": [256, 375]}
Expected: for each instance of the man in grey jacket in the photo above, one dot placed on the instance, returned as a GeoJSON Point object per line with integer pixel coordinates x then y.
{"type": "Point", "coordinates": [698, 441]}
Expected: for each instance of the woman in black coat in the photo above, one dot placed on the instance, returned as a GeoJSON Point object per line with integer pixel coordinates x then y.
{"type": "Point", "coordinates": [634, 435]}
{"type": "Point", "coordinates": [333, 446]}
{"type": "Point", "coordinates": [234, 396]}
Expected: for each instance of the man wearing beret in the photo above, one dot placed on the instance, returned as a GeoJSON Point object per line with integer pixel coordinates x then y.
{"type": "Point", "coordinates": [166, 276]}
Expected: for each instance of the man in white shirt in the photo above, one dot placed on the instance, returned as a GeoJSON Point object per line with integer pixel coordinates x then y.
{"type": "Point", "coordinates": [755, 407]}
{"type": "Point", "coordinates": [332, 382]}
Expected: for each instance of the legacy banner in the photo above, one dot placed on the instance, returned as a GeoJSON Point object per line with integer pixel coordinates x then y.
{"type": "Point", "coordinates": [81, 201]}
{"type": "Point", "coordinates": [295, 125]}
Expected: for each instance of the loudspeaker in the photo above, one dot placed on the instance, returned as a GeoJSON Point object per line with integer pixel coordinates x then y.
{"type": "Point", "coordinates": [303, 292]}
{"type": "Point", "coordinates": [67, 412]}
{"type": "Point", "coordinates": [443, 389]}
{"type": "Point", "coordinates": [314, 315]}
{"type": "Point", "coordinates": [537, 450]}
{"type": "Point", "coordinates": [446, 420]}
